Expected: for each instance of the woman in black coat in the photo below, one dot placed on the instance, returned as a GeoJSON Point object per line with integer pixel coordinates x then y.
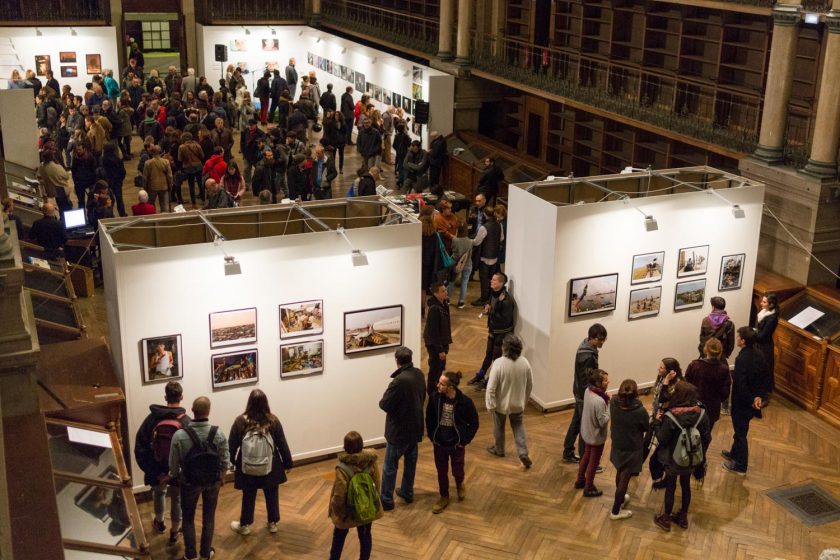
{"type": "Point", "coordinates": [114, 172]}
{"type": "Point", "coordinates": [768, 320]}
{"type": "Point", "coordinates": [258, 418]}
{"type": "Point", "coordinates": [629, 424]}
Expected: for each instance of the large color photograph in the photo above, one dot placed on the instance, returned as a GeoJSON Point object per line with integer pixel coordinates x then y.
{"type": "Point", "coordinates": [693, 261]}
{"type": "Point", "coordinates": [647, 268]}
{"type": "Point", "coordinates": [303, 358]}
{"type": "Point", "coordinates": [372, 329]}
{"type": "Point", "coordinates": [229, 328]}
{"type": "Point", "coordinates": [236, 368]}
{"type": "Point", "coordinates": [592, 294]}
{"type": "Point", "coordinates": [302, 318]}
{"type": "Point", "coordinates": [162, 358]}
{"type": "Point", "coordinates": [690, 294]}
{"type": "Point", "coordinates": [731, 272]}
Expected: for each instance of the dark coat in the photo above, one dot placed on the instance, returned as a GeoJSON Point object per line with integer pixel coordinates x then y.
{"type": "Point", "coordinates": [749, 379]}
{"type": "Point", "coordinates": [437, 152]}
{"type": "Point", "coordinates": [369, 142]}
{"type": "Point", "coordinates": [143, 451]}
{"type": "Point", "coordinates": [347, 106]}
{"type": "Point", "coordinates": [280, 464]}
{"type": "Point", "coordinates": [725, 333]}
{"type": "Point", "coordinates": [327, 101]}
{"type": "Point", "coordinates": [263, 89]}
{"type": "Point", "coordinates": [403, 406]}
{"type": "Point", "coordinates": [83, 171]}
{"type": "Point", "coordinates": [437, 334]}
{"type": "Point", "coordinates": [367, 185]}
{"type": "Point", "coordinates": [488, 183]}
{"type": "Point", "coordinates": [502, 316]}
{"type": "Point", "coordinates": [667, 433]}
{"type": "Point", "coordinates": [268, 176]}
{"type": "Point", "coordinates": [249, 144]}
{"type": "Point", "coordinates": [466, 417]}
{"type": "Point", "coordinates": [586, 358]}
{"type": "Point", "coordinates": [764, 339]}
{"type": "Point", "coordinates": [301, 182]}
{"type": "Point", "coordinates": [628, 428]}
{"type": "Point", "coordinates": [278, 84]}
{"type": "Point", "coordinates": [711, 377]}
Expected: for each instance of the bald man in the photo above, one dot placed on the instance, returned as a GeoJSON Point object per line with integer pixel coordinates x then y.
{"type": "Point", "coordinates": [48, 232]}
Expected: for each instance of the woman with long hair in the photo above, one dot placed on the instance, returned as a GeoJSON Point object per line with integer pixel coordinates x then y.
{"type": "Point", "coordinates": [233, 182]}
{"type": "Point", "coordinates": [628, 428]}
{"type": "Point", "coordinates": [261, 458]}
{"type": "Point", "coordinates": [711, 377]}
{"type": "Point", "coordinates": [668, 375]}
{"type": "Point", "coordinates": [765, 326]}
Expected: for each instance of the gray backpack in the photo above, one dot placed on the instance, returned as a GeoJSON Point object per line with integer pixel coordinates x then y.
{"type": "Point", "coordinates": [688, 452]}
{"type": "Point", "coordinates": [257, 452]}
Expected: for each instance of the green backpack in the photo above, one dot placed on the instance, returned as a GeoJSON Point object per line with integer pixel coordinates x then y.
{"type": "Point", "coordinates": [362, 499]}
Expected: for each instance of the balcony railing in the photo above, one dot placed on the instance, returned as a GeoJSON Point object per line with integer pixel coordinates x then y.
{"type": "Point", "coordinates": [251, 11]}
{"type": "Point", "coordinates": [54, 11]}
{"type": "Point", "coordinates": [625, 91]}
{"type": "Point", "coordinates": [411, 31]}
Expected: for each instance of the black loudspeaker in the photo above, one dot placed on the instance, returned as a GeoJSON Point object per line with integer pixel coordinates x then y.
{"type": "Point", "coordinates": [421, 112]}
{"type": "Point", "coordinates": [221, 53]}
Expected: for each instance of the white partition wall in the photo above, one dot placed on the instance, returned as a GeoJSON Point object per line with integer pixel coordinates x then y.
{"type": "Point", "coordinates": [549, 245]}
{"type": "Point", "coordinates": [323, 52]}
{"type": "Point", "coordinates": [172, 290]}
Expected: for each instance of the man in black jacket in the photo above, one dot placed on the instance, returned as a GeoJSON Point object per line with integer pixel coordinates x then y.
{"type": "Point", "coordinates": [347, 106]}
{"type": "Point", "coordinates": [367, 182]}
{"type": "Point", "coordinates": [270, 175]}
{"type": "Point", "coordinates": [263, 93]}
{"type": "Point", "coordinates": [369, 144]}
{"type": "Point", "coordinates": [437, 159]}
{"type": "Point", "coordinates": [749, 389]}
{"type": "Point", "coordinates": [155, 471]}
{"type": "Point", "coordinates": [488, 183]}
{"type": "Point", "coordinates": [278, 84]}
{"type": "Point", "coordinates": [403, 405]}
{"type": "Point", "coordinates": [249, 146]}
{"type": "Point", "coordinates": [327, 101]}
{"type": "Point", "coordinates": [586, 359]}
{"type": "Point", "coordinates": [451, 422]}
{"type": "Point", "coordinates": [501, 318]}
{"type": "Point", "coordinates": [437, 334]}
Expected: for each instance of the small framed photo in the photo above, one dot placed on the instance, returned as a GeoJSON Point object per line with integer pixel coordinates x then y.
{"type": "Point", "coordinates": [271, 44]}
{"type": "Point", "coordinates": [303, 318]}
{"type": "Point", "coordinates": [645, 302]}
{"type": "Point", "coordinates": [310, 58]}
{"type": "Point", "coordinates": [231, 328]}
{"type": "Point", "coordinates": [373, 329]}
{"type": "Point", "coordinates": [592, 294]}
{"type": "Point", "coordinates": [239, 45]}
{"type": "Point", "coordinates": [235, 368]}
{"type": "Point", "coordinates": [647, 268]}
{"type": "Point", "coordinates": [689, 295]}
{"type": "Point", "coordinates": [693, 261]}
{"type": "Point", "coordinates": [417, 91]}
{"type": "Point", "coordinates": [301, 358]}
{"type": "Point", "coordinates": [396, 99]}
{"type": "Point", "coordinates": [731, 272]}
{"type": "Point", "coordinates": [406, 105]}
{"type": "Point", "coordinates": [42, 65]}
{"type": "Point", "coordinates": [67, 57]}
{"type": "Point", "coordinates": [359, 81]}
{"type": "Point", "coordinates": [162, 358]}
{"type": "Point", "coordinates": [69, 71]}
{"type": "Point", "coordinates": [93, 63]}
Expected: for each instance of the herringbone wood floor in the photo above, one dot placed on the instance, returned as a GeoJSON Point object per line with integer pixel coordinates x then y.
{"type": "Point", "coordinates": [512, 513]}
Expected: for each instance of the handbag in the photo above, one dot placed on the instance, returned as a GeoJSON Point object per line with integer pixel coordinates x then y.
{"type": "Point", "coordinates": [445, 259]}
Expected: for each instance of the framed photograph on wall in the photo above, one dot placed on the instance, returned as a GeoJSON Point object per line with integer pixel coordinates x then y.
{"type": "Point", "coordinates": [693, 261]}
{"type": "Point", "coordinates": [396, 99]}
{"type": "Point", "coordinates": [303, 318]}
{"type": "Point", "coordinates": [272, 65]}
{"type": "Point", "coordinates": [42, 65]}
{"type": "Point", "coordinates": [406, 105]}
{"type": "Point", "coordinates": [310, 58]}
{"type": "Point", "coordinates": [93, 63]}
{"type": "Point", "coordinates": [417, 74]}
{"type": "Point", "coordinates": [66, 57]}
{"type": "Point", "coordinates": [235, 368]}
{"type": "Point", "coordinates": [645, 302]}
{"type": "Point", "coordinates": [69, 71]}
{"type": "Point", "coordinates": [161, 357]}
{"type": "Point", "coordinates": [239, 45]}
{"type": "Point", "coordinates": [417, 91]}
{"type": "Point", "coordinates": [386, 97]}
{"type": "Point", "coordinates": [360, 82]}
{"type": "Point", "coordinates": [373, 329]}
{"type": "Point", "coordinates": [647, 268]}
{"type": "Point", "coordinates": [731, 272]}
{"type": "Point", "coordinates": [301, 358]}
{"type": "Point", "coordinates": [230, 328]}
{"type": "Point", "coordinates": [592, 294]}
{"type": "Point", "coordinates": [689, 295]}
{"type": "Point", "coordinates": [271, 44]}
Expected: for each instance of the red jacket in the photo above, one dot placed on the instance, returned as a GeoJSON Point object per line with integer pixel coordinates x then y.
{"type": "Point", "coordinates": [215, 168]}
{"type": "Point", "coordinates": [161, 117]}
{"type": "Point", "coordinates": [143, 209]}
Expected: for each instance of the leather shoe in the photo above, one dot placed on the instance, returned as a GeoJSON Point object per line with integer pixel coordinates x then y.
{"type": "Point", "coordinates": [571, 459]}
{"type": "Point", "coordinates": [462, 492]}
{"type": "Point", "coordinates": [592, 493]}
{"type": "Point", "coordinates": [399, 493]}
{"type": "Point", "coordinates": [492, 451]}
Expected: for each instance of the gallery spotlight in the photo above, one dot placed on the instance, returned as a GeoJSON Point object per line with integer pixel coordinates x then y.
{"type": "Point", "coordinates": [73, 32]}
{"type": "Point", "coordinates": [359, 258]}
{"type": "Point", "coordinates": [38, 32]}
{"type": "Point", "coordinates": [232, 267]}
{"type": "Point", "coordinates": [247, 31]}
{"type": "Point", "coordinates": [738, 212]}
{"type": "Point", "coordinates": [650, 223]}
{"type": "Point", "coordinates": [273, 31]}
{"type": "Point", "coordinates": [318, 40]}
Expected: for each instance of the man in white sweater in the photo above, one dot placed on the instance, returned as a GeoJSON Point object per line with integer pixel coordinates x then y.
{"type": "Point", "coordinates": [508, 390]}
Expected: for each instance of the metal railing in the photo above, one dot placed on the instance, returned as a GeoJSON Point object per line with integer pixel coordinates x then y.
{"type": "Point", "coordinates": [730, 121]}
{"type": "Point", "coordinates": [252, 10]}
{"type": "Point", "coordinates": [408, 30]}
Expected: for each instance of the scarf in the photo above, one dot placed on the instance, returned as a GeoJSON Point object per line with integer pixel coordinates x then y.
{"type": "Point", "coordinates": [601, 393]}
{"type": "Point", "coordinates": [764, 313]}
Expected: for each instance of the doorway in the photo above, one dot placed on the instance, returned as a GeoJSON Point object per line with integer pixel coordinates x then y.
{"type": "Point", "coordinates": [160, 36]}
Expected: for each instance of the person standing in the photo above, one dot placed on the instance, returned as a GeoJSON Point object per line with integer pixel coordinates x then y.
{"type": "Point", "coordinates": [594, 421]}
{"type": "Point", "coordinates": [157, 179]}
{"type": "Point", "coordinates": [369, 144]}
{"type": "Point", "coordinates": [488, 241]}
{"type": "Point", "coordinates": [198, 440]}
{"type": "Point", "coordinates": [628, 429]}
{"type": "Point", "coordinates": [323, 174]}
{"type": "Point", "coordinates": [437, 160]}
{"type": "Point", "coordinates": [263, 93]}
{"type": "Point", "coordinates": [189, 83]}
{"type": "Point", "coordinates": [152, 445]}
{"type": "Point", "coordinates": [347, 109]}
{"type": "Point", "coordinates": [48, 232]}
{"type": "Point", "coordinates": [491, 177]}
{"type": "Point", "coordinates": [415, 164]}
{"type": "Point", "coordinates": [354, 459]}
{"type": "Point", "coordinates": [388, 122]}
{"type": "Point", "coordinates": [586, 359]}
{"type": "Point", "coordinates": [249, 146]}
{"type": "Point", "coordinates": [508, 390]}
{"type": "Point", "coordinates": [710, 375]}
{"type": "Point", "coordinates": [278, 85]}
{"type": "Point", "coordinates": [437, 334]}
{"type": "Point", "coordinates": [261, 459]}
{"type": "Point", "coordinates": [403, 406]}
{"type": "Point", "coordinates": [327, 100]}
{"type": "Point", "coordinates": [749, 389]}
{"type": "Point", "coordinates": [767, 321]}
{"type": "Point", "coordinates": [462, 256]}
{"type": "Point", "coordinates": [717, 325]}
{"type": "Point", "coordinates": [501, 319]}
{"type": "Point", "coordinates": [451, 423]}
{"type": "Point", "coordinates": [291, 78]}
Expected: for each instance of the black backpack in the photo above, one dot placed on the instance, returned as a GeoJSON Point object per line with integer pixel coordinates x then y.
{"type": "Point", "coordinates": [202, 464]}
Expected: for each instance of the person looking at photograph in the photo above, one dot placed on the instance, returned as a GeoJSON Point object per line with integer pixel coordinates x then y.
{"type": "Point", "coordinates": [628, 428]}
{"type": "Point", "coordinates": [586, 359]}
{"type": "Point", "coordinates": [594, 421]}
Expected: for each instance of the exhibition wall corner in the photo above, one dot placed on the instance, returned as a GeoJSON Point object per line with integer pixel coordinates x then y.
{"type": "Point", "coordinates": [588, 243]}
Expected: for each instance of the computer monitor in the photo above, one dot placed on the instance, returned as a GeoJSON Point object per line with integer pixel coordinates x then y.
{"type": "Point", "coordinates": [74, 219]}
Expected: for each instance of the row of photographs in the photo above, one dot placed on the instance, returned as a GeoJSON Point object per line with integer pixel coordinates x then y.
{"type": "Point", "coordinates": [43, 64]}
{"type": "Point", "coordinates": [596, 294]}
{"type": "Point", "coordinates": [364, 331]}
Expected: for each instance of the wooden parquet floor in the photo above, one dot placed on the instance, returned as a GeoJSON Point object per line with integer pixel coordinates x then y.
{"type": "Point", "coordinates": [512, 513]}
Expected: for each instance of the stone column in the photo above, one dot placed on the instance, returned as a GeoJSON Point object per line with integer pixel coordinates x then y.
{"type": "Point", "coordinates": [316, 11]}
{"type": "Point", "coordinates": [445, 37]}
{"type": "Point", "coordinates": [771, 141]}
{"type": "Point", "coordinates": [823, 161]}
{"type": "Point", "coordinates": [117, 22]}
{"type": "Point", "coordinates": [190, 38]}
{"type": "Point", "coordinates": [463, 48]}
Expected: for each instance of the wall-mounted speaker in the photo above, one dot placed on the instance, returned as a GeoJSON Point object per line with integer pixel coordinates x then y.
{"type": "Point", "coordinates": [221, 53]}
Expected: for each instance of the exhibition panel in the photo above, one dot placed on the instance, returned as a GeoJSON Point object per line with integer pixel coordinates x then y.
{"type": "Point", "coordinates": [310, 318]}
{"type": "Point", "coordinates": [641, 253]}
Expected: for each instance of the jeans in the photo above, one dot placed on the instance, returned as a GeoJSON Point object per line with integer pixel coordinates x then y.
{"type": "Point", "coordinates": [518, 432]}
{"type": "Point", "coordinates": [671, 489]}
{"type": "Point", "coordinates": [118, 193]}
{"type": "Point", "coordinates": [189, 502]}
{"type": "Point", "coordinates": [159, 493]}
{"type": "Point", "coordinates": [492, 351]}
{"type": "Point", "coordinates": [365, 541]}
{"type": "Point", "coordinates": [588, 463]}
{"type": "Point", "coordinates": [465, 280]}
{"type": "Point", "coordinates": [393, 452]}
{"type": "Point", "coordinates": [249, 501]}
{"type": "Point", "coordinates": [574, 432]}
{"type": "Point", "coordinates": [740, 451]}
{"type": "Point", "coordinates": [436, 368]}
{"type": "Point", "coordinates": [443, 455]}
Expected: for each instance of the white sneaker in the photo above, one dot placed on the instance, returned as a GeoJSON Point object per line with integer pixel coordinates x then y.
{"type": "Point", "coordinates": [272, 527]}
{"type": "Point", "coordinates": [241, 529]}
{"type": "Point", "coordinates": [626, 501]}
{"type": "Point", "coordinates": [623, 514]}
